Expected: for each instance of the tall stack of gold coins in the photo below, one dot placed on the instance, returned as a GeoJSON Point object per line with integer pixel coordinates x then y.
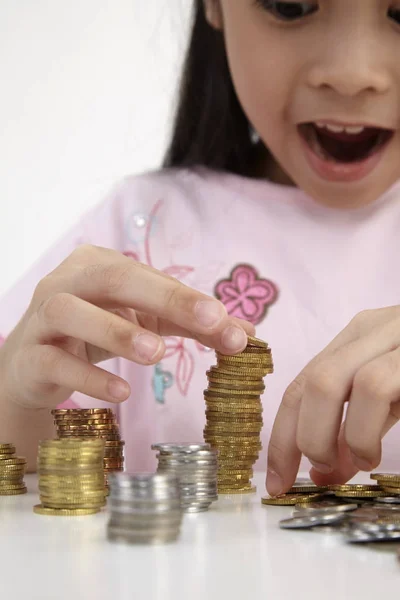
{"type": "Point", "coordinates": [234, 414]}
{"type": "Point", "coordinates": [71, 477]}
{"type": "Point", "coordinates": [89, 423]}
{"type": "Point", "coordinates": [12, 471]}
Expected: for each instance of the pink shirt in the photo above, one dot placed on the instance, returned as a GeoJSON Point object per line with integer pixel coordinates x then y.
{"type": "Point", "coordinates": [296, 269]}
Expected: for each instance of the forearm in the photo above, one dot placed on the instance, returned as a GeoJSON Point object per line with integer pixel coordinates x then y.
{"type": "Point", "coordinates": [24, 427]}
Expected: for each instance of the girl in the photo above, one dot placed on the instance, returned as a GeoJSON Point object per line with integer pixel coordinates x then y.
{"type": "Point", "coordinates": [278, 198]}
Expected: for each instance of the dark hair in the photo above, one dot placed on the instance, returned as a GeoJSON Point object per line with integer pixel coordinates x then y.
{"type": "Point", "coordinates": [210, 126]}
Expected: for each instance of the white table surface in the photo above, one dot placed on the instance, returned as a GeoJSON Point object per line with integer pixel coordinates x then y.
{"type": "Point", "coordinates": [233, 551]}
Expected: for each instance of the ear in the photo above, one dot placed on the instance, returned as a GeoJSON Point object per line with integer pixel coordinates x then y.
{"type": "Point", "coordinates": [213, 13]}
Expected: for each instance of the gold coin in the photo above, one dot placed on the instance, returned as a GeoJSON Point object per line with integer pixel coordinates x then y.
{"type": "Point", "coordinates": [290, 499]}
{"type": "Point", "coordinates": [232, 392]}
{"type": "Point", "coordinates": [308, 489]}
{"type": "Point", "coordinates": [235, 409]}
{"type": "Point", "coordinates": [253, 341]}
{"type": "Point", "coordinates": [245, 438]}
{"type": "Point", "coordinates": [361, 494]}
{"type": "Point", "coordinates": [214, 417]}
{"type": "Point", "coordinates": [64, 512]}
{"type": "Point", "coordinates": [82, 444]}
{"type": "Point", "coordinates": [227, 398]}
{"type": "Point", "coordinates": [81, 411]}
{"type": "Point", "coordinates": [221, 378]}
{"type": "Point", "coordinates": [112, 427]}
{"type": "Point", "coordinates": [241, 364]}
{"type": "Point", "coordinates": [395, 477]}
{"type": "Point", "coordinates": [119, 444]}
{"type": "Point", "coordinates": [85, 418]}
{"type": "Point", "coordinates": [13, 492]}
{"type": "Point", "coordinates": [12, 461]}
{"type": "Point", "coordinates": [90, 436]}
{"type": "Point", "coordinates": [7, 446]}
{"type": "Point", "coordinates": [393, 491]}
{"type": "Point", "coordinates": [237, 374]}
{"type": "Point", "coordinates": [228, 492]}
{"type": "Point", "coordinates": [67, 506]}
{"type": "Point", "coordinates": [245, 371]}
{"type": "Point", "coordinates": [353, 487]}
{"type": "Point", "coordinates": [388, 483]}
{"type": "Point", "coordinates": [238, 420]}
{"type": "Point", "coordinates": [250, 350]}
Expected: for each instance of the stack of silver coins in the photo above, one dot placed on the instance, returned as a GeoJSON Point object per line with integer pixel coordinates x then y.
{"type": "Point", "coordinates": [145, 508]}
{"type": "Point", "coordinates": [196, 467]}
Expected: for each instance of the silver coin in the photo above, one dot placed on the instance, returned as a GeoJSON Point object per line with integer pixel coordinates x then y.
{"type": "Point", "coordinates": [363, 537]}
{"type": "Point", "coordinates": [388, 500]}
{"type": "Point", "coordinates": [308, 521]}
{"type": "Point", "coordinates": [181, 446]}
{"type": "Point", "coordinates": [323, 506]}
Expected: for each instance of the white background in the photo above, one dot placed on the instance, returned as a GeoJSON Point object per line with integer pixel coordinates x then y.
{"type": "Point", "coordinates": [87, 91]}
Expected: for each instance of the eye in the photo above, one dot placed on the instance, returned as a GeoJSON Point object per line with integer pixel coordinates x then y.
{"type": "Point", "coordinates": [394, 14]}
{"type": "Point", "coordinates": [288, 11]}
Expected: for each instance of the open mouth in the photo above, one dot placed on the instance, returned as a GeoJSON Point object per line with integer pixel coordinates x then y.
{"type": "Point", "coordinates": [344, 145]}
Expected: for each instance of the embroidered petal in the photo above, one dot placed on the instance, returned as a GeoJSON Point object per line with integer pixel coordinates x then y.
{"type": "Point", "coordinates": [262, 290]}
{"type": "Point", "coordinates": [243, 277]}
{"type": "Point", "coordinates": [184, 371]}
{"type": "Point", "coordinates": [178, 271]}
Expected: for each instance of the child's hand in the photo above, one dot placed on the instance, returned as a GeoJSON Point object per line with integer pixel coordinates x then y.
{"type": "Point", "coordinates": [360, 366]}
{"type": "Point", "coordinates": [98, 304]}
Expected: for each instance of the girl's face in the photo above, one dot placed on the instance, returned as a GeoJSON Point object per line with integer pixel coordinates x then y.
{"type": "Point", "coordinates": [320, 82]}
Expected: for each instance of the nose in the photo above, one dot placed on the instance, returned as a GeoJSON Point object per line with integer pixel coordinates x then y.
{"type": "Point", "coordinates": [350, 67]}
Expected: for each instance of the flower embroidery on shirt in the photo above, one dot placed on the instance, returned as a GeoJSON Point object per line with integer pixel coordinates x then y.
{"type": "Point", "coordinates": [245, 294]}
{"type": "Point", "coordinates": [162, 381]}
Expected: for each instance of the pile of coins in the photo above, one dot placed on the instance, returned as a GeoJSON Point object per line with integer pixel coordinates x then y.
{"type": "Point", "coordinates": [12, 471]}
{"type": "Point", "coordinates": [364, 513]}
{"type": "Point", "coordinates": [305, 493]}
{"type": "Point", "coordinates": [196, 467]}
{"type": "Point", "coordinates": [71, 477]}
{"type": "Point", "coordinates": [145, 508]}
{"type": "Point", "coordinates": [89, 423]}
{"type": "Point", "coordinates": [234, 414]}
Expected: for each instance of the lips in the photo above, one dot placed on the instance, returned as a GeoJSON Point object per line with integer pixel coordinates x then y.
{"type": "Point", "coordinates": [344, 145]}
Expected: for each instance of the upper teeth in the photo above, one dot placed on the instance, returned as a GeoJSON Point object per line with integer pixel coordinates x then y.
{"type": "Point", "coordinates": [355, 130]}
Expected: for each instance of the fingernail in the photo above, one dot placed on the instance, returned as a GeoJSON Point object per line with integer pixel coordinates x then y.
{"type": "Point", "coordinates": [274, 483]}
{"type": "Point", "coordinates": [361, 463]}
{"type": "Point", "coordinates": [325, 469]}
{"type": "Point", "coordinates": [209, 313]}
{"type": "Point", "coordinates": [146, 345]}
{"type": "Point", "coordinates": [119, 390]}
{"type": "Point", "coordinates": [234, 339]}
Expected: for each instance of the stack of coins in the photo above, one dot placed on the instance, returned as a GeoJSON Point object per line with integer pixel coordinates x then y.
{"type": "Point", "coordinates": [89, 423]}
{"type": "Point", "coordinates": [145, 508]}
{"type": "Point", "coordinates": [389, 483]}
{"type": "Point", "coordinates": [12, 471]}
{"type": "Point", "coordinates": [234, 414]}
{"type": "Point", "coordinates": [71, 477]}
{"type": "Point", "coordinates": [196, 467]}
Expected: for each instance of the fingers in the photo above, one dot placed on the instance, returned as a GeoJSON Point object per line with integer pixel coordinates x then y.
{"type": "Point", "coordinates": [68, 315]}
{"type": "Point", "coordinates": [48, 365]}
{"type": "Point", "coordinates": [283, 453]}
{"type": "Point", "coordinates": [346, 468]}
{"type": "Point", "coordinates": [333, 380]}
{"type": "Point", "coordinates": [372, 407]}
{"type": "Point", "coordinates": [108, 279]}
{"type": "Point", "coordinates": [309, 419]}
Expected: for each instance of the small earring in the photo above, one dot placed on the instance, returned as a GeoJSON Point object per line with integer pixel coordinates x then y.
{"type": "Point", "coordinates": [254, 137]}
